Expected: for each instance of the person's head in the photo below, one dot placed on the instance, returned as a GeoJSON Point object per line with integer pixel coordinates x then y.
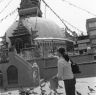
{"type": "Point", "coordinates": [61, 51]}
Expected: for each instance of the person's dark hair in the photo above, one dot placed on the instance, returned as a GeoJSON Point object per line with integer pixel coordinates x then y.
{"type": "Point", "coordinates": [62, 52]}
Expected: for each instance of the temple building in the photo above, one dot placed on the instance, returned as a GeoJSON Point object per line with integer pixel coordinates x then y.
{"type": "Point", "coordinates": [87, 43]}
{"type": "Point", "coordinates": [91, 31]}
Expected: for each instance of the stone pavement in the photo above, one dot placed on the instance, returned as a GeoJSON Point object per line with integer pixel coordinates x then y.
{"type": "Point", "coordinates": [81, 86]}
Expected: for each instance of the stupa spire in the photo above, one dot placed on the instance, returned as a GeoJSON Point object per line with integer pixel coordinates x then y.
{"type": "Point", "coordinates": [30, 8]}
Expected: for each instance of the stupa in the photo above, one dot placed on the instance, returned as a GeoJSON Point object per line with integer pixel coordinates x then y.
{"type": "Point", "coordinates": [46, 34]}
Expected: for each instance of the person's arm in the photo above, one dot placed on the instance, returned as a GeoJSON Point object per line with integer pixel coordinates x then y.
{"type": "Point", "coordinates": [60, 70]}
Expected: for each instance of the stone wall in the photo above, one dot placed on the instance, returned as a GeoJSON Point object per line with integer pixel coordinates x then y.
{"type": "Point", "coordinates": [80, 59]}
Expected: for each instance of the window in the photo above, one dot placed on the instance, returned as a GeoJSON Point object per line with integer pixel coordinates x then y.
{"type": "Point", "coordinates": [82, 46]}
{"type": "Point", "coordinates": [94, 41]}
{"type": "Point", "coordinates": [95, 57]}
{"type": "Point", "coordinates": [92, 33]}
{"type": "Point", "coordinates": [76, 46]}
{"type": "Point", "coordinates": [92, 24]}
{"type": "Point", "coordinates": [81, 52]}
{"type": "Point", "coordinates": [12, 75]}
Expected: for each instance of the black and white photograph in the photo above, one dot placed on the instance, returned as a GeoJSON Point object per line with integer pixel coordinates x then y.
{"type": "Point", "coordinates": [47, 47]}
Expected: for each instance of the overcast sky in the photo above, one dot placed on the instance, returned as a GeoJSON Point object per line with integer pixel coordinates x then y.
{"type": "Point", "coordinates": [75, 16]}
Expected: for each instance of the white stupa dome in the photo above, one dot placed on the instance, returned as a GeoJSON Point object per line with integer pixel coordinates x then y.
{"type": "Point", "coordinates": [45, 28]}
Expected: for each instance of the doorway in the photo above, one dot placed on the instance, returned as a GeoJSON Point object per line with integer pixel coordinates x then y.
{"type": "Point", "coordinates": [12, 75]}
